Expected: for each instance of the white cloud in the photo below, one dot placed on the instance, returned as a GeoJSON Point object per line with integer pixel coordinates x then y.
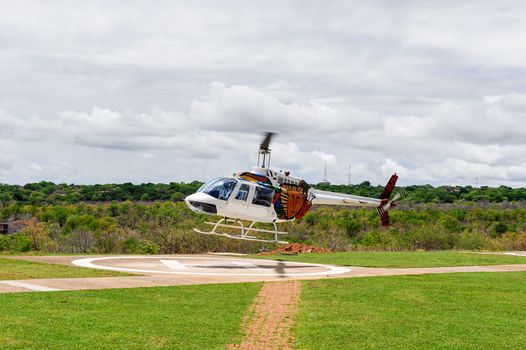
{"type": "Point", "coordinates": [226, 122]}
{"type": "Point", "coordinates": [111, 129]}
{"type": "Point", "coordinates": [243, 108]}
{"type": "Point", "coordinates": [35, 167]}
{"type": "Point", "coordinates": [432, 89]}
{"type": "Point", "coordinates": [6, 161]}
{"type": "Point", "coordinates": [488, 27]}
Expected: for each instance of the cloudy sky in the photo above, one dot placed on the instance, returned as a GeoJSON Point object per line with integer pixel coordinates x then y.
{"type": "Point", "coordinates": [142, 91]}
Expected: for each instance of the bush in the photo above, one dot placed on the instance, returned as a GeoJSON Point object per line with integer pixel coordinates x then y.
{"type": "Point", "coordinates": [433, 237]}
{"type": "Point", "coordinates": [498, 229]}
{"type": "Point", "coordinates": [150, 248]}
{"type": "Point", "coordinates": [4, 244]}
{"type": "Point", "coordinates": [450, 223]}
{"type": "Point", "coordinates": [20, 242]}
{"type": "Point", "coordinates": [471, 241]}
{"type": "Point", "coordinates": [107, 242]}
{"type": "Point", "coordinates": [351, 226]}
{"type": "Point", "coordinates": [132, 245]}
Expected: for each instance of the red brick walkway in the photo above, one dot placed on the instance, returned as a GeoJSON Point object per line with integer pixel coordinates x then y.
{"type": "Point", "coordinates": [270, 318]}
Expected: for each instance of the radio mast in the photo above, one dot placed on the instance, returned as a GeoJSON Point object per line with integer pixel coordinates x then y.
{"type": "Point", "coordinates": [325, 180]}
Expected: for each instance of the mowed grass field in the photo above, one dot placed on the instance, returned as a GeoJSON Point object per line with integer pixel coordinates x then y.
{"type": "Point", "coordinates": [185, 317]}
{"type": "Point", "coordinates": [448, 311]}
{"type": "Point", "coordinates": [12, 269]}
{"type": "Point", "coordinates": [400, 259]}
{"type": "Point", "coordinates": [453, 311]}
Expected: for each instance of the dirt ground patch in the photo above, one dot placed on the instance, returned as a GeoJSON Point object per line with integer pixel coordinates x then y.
{"type": "Point", "coordinates": [296, 248]}
{"type": "Point", "coordinates": [267, 324]}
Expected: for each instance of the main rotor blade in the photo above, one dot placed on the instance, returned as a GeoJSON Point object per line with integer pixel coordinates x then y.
{"type": "Point", "coordinates": [266, 141]}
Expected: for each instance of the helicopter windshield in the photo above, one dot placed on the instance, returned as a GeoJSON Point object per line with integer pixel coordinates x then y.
{"type": "Point", "coordinates": [220, 188]}
{"type": "Point", "coordinates": [207, 184]}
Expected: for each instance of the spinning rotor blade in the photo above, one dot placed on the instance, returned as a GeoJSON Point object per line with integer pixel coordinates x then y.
{"type": "Point", "coordinates": [401, 193]}
{"type": "Point", "coordinates": [266, 142]}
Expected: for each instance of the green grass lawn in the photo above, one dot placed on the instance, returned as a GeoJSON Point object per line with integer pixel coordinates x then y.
{"type": "Point", "coordinates": [400, 259]}
{"type": "Point", "coordinates": [453, 311]}
{"type": "Point", "coordinates": [11, 269]}
{"type": "Point", "coordinates": [184, 317]}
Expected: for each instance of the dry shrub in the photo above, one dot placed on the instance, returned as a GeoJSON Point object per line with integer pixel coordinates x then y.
{"type": "Point", "coordinates": [508, 241]}
{"type": "Point", "coordinates": [38, 236]}
{"type": "Point", "coordinates": [108, 241]}
{"type": "Point", "coordinates": [521, 241]}
{"type": "Point", "coordinates": [79, 241]}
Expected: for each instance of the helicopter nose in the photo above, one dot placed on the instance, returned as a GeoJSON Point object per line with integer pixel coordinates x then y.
{"type": "Point", "coordinates": [201, 203]}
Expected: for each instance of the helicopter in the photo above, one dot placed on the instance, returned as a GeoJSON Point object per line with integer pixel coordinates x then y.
{"type": "Point", "coordinates": [270, 196]}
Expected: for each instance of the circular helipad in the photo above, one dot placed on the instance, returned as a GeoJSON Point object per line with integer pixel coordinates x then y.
{"type": "Point", "coordinates": [515, 253]}
{"type": "Point", "coordinates": [209, 266]}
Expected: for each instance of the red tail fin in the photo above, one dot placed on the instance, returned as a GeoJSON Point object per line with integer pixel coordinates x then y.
{"type": "Point", "coordinates": [383, 209]}
{"type": "Point", "coordinates": [386, 194]}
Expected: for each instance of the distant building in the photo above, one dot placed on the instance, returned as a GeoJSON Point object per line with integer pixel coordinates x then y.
{"type": "Point", "coordinates": [12, 226]}
{"type": "Point", "coordinates": [452, 189]}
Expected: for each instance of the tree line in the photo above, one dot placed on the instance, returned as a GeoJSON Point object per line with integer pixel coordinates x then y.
{"type": "Point", "coordinates": [50, 193]}
{"type": "Point", "coordinates": [46, 192]}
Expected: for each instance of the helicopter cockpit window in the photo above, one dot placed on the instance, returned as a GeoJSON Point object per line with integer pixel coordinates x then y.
{"type": "Point", "coordinates": [207, 184]}
{"type": "Point", "coordinates": [242, 194]}
{"type": "Point", "coordinates": [221, 189]}
{"type": "Point", "coordinates": [263, 196]}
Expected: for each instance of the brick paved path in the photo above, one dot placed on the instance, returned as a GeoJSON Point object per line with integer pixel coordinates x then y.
{"type": "Point", "coordinates": [270, 318]}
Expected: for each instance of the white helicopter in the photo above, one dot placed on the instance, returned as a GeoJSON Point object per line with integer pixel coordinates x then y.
{"type": "Point", "coordinates": [271, 196]}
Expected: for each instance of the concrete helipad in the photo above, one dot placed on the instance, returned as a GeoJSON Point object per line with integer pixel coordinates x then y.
{"type": "Point", "coordinates": [171, 270]}
{"type": "Point", "coordinates": [209, 266]}
{"type": "Point", "coordinates": [515, 253]}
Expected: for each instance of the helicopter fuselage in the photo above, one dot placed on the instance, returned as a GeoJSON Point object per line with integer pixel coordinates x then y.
{"type": "Point", "coordinates": [263, 195]}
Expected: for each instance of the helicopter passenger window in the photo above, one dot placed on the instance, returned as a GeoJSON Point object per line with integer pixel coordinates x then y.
{"type": "Point", "coordinates": [221, 189]}
{"type": "Point", "coordinates": [263, 196]}
{"type": "Point", "coordinates": [242, 194]}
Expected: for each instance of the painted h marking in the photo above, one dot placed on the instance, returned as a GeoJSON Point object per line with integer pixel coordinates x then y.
{"type": "Point", "coordinates": [174, 264]}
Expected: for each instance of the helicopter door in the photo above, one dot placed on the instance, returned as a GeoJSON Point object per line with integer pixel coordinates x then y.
{"type": "Point", "coordinates": [238, 203]}
{"type": "Point", "coordinates": [261, 202]}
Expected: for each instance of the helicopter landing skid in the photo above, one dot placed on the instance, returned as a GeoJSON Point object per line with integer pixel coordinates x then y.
{"type": "Point", "coordinates": [244, 231]}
